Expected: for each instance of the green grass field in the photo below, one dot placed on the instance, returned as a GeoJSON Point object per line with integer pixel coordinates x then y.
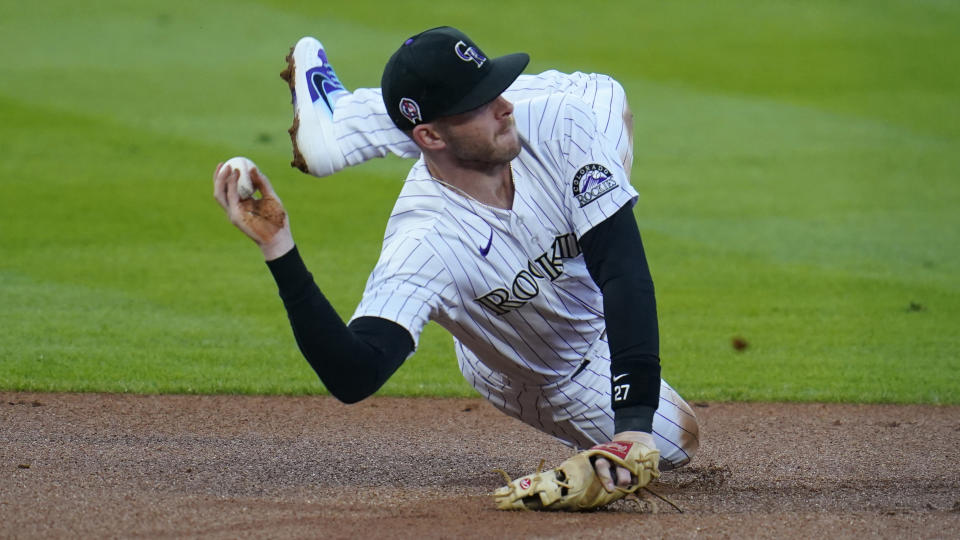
{"type": "Point", "coordinates": [797, 162]}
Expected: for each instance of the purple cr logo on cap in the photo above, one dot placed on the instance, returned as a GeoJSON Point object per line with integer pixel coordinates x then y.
{"type": "Point", "coordinates": [410, 110]}
{"type": "Point", "coordinates": [469, 54]}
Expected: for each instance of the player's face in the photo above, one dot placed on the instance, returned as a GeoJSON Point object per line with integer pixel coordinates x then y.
{"type": "Point", "coordinates": [486, 135]}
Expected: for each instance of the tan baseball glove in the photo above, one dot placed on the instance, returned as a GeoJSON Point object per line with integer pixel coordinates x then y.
{"type": "Point", "coordinates": [574, 485]}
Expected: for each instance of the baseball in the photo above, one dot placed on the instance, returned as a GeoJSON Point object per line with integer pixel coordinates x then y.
{"type": "Point", "coordinates": [245, 184]}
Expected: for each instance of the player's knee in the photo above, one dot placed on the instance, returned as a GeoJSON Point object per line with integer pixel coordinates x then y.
{"type": "Point", "coordinates": [687, 444]}
{"type": "Point", "coordinates": [692, 441]}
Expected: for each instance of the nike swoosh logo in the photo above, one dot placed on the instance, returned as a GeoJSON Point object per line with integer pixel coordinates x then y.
{"type": "Point", "coordinates": [485, 250]}
{"type": "Point", "coordinates": [317, 89]}
{"type": "Point", "coordinates": [330, 86]}
{"type": "Point", "coordinates": [620, 376]}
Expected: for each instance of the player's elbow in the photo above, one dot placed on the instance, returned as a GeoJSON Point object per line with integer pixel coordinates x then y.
{"type": "Point", "coordinates": [345, 382]}
{"type": "Point", "coordinates": [349, 398]}
{"type": "Point", "coordinates": [349, 394]}
{"type": "Point", "coordinates": [352, 389]}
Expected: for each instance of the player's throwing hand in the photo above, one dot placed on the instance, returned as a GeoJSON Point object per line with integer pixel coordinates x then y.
{"type": "Point", "coordinates": [264, 220]}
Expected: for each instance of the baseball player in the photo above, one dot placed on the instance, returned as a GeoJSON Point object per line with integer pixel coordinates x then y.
{"type": "Point", "coordinates": [514, 231]}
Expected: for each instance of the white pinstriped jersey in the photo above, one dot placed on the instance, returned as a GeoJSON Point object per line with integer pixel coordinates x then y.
{"type": "Point", "coordinates": [510, 285]}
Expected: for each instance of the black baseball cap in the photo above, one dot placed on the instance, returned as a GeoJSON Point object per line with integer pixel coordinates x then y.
{"type": "Point", "coordinates": [442, 72]}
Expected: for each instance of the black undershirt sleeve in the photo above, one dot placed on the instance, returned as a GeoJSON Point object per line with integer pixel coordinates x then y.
{"type": "Point", "coordinates": [352, 361]}
{"type": "Point", "coordinates": [615, 258]}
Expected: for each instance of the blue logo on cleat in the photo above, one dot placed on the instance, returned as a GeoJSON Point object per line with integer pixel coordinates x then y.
{"type": "Point", "coordinates": [322, 82]}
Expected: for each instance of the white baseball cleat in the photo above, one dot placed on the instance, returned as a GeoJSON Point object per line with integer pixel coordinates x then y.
{"type": "Point", "coordinates": [314, 89]}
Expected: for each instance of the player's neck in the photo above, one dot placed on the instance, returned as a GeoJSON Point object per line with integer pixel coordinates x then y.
{"type": "Point", "coordinates": [491, 185]}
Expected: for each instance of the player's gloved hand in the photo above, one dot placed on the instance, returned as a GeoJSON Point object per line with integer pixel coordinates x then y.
{"type": "Point", "coordinates": [623, 477]}
{"type": "Point", "coordinates": [575, 485]}
{"type": "Point", "coordinates": [264, 220]}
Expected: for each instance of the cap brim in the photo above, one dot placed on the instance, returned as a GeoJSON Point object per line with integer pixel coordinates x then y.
{"type": "Point", "coordinates": [505, 70]}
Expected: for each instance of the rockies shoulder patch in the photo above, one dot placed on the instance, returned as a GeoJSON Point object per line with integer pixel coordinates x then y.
{"type": "Point", "coordinates": [592, 181]}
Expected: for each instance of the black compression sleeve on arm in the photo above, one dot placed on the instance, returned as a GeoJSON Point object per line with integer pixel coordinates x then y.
{"type": "Point", "coordinates": [615, 258]}
{"type": "Point", "coordinates": [352, 361]}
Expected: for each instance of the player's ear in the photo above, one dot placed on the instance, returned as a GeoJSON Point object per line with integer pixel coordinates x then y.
{"type": "Point", "coordinates": [428, 137]}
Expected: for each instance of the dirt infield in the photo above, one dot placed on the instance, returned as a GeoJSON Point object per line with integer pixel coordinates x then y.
{"type": "Point", "coordinates": [226, 467]}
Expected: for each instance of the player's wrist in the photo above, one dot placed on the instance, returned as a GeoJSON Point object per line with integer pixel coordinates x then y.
{"type": "Point", "coordinates": [641, 437]}
{"type": "Point", "coordinates": [633, 418]}
{"type": "Point", "coordinates": [278, 246]}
